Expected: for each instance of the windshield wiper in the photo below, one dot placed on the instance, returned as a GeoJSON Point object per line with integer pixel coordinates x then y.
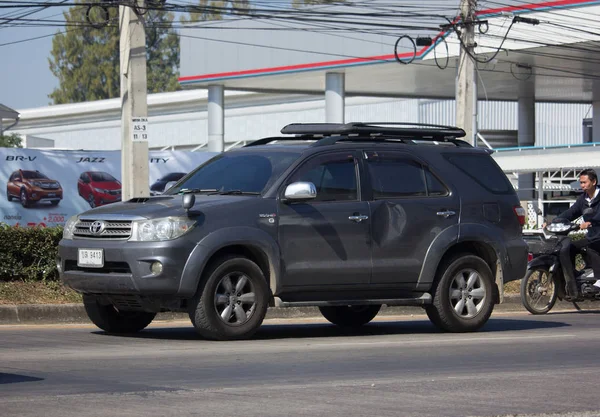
{"type": "Point", "coordinates": [197, 190]}
{"type": "Point", "coordinates": [235, 192]}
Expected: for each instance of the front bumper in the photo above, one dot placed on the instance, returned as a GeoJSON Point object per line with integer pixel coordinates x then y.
{"type": "Point", "coordinates": [126, 267]}
{"type": "Point", "coordinates": [38, 194]}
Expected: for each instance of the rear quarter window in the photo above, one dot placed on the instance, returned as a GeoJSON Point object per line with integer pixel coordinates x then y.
{"type": "Point", "coordinates": [484, 170]}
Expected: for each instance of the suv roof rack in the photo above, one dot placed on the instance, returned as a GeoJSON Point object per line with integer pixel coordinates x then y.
{"type": "Point", "coordinates": [330, 133]}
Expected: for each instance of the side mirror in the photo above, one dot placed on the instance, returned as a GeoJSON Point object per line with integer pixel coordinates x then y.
{"type": "Point", "coordinates": [300, 191]}
{"type": "Point", "coordinates": [188, 201]}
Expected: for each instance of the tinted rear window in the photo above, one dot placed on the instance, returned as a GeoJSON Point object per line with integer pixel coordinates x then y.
{"type": "Point", "coordinates": [483, 169]}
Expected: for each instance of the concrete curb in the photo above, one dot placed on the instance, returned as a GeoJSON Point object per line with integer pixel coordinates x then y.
{"type": "Point", "coordinates": [75, 313]}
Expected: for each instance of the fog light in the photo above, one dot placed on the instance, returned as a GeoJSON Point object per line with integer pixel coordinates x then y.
{"type": "Point", "coordinates": [156, 268]}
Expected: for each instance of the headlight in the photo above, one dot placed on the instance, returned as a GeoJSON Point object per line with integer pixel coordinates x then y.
{"type": "Point", "coordinates": [167, 228]}
{"type": "Point", "coordinates": [70, 227]}
{"type": "Point", "coordinates": [100, 190]}
{"type": "Point", "coordinates": [558, 227]}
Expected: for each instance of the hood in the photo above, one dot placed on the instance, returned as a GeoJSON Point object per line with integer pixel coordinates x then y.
{"type": "Point", "coordinates": [163, 206]}
{"type": "Point", "coordinates": [106, 185]}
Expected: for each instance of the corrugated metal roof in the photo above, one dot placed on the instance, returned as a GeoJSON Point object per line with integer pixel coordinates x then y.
{"type": "Point", "coordinates": [537, 159]}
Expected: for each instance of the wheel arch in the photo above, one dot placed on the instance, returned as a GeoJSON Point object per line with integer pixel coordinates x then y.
{"type": "Point", "coordinates": [254, 244]}
{"type": "Point", "coordinates": [442, 250]}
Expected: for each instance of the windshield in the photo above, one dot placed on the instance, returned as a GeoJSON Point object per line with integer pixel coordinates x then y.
{"type": "Point", "coordinates": [243, 172]}
{"type": "Point", "coordinates": [30, 175]}
{"type": "Point", "coordinates": [101, 176]}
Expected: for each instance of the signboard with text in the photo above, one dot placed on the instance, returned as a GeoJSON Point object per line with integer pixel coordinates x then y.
{"type": "Point", "coordinates": [46, 187]}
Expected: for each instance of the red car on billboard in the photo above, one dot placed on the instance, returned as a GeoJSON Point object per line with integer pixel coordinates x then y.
{"type": "Point", "coordinates": [98, 188]}
{"type": "Point", "coordinates": [30, 187]}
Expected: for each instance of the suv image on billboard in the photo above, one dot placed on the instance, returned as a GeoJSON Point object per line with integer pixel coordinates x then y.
{"type": "Point", "coordinates": [30, 187]}
{"type": "Point", "coordinates": [160, 185]}
{"type": "Point", "coordinates": [345, 217]}
{"type": "Point", "coordinates": [98, 188]}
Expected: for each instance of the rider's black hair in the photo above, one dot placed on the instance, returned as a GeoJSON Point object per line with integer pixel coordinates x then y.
{"type": "Point", "coordinates": [591, 174]}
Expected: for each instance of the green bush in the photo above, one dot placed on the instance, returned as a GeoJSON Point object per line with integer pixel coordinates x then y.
{"type": "Point", "coordinates": [29, 253]}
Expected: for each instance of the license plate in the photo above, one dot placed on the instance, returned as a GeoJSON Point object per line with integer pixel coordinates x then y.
{"type": "Point", "coordinates": [51, 195]}
{"type": "Point", "coordinates": [91, 258]}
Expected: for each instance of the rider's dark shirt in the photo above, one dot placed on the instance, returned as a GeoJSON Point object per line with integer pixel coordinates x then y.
{"type": "Point", "coordinates": [577, 209]}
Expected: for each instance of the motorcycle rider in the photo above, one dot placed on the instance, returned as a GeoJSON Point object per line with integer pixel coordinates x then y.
{"type": "Point", "coordinates": [591, 222]}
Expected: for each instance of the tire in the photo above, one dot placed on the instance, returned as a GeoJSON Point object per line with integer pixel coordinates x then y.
{"type": "Point", "coordinates": [538, 291]}
{"type": "Point", "coordinates": [8, 196]}
{"type": "Point", "coordinates": [231, 281]}
{"type": "Point", "coordinates": [350, 316]}
{"type": "Point", "coordinates": [463, 295]}
{"type": "Point", "coordinates": [109, 319]}
{"type": "Point", "coordinates": [91, 200]}
{"type": "Point", "coordinates": [54, 202]}
{"type": "Point", "coordinates": [23, 198]}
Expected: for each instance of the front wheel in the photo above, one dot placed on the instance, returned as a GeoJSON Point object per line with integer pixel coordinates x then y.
{"type": "Point", "coordinates": [538, 291]}
{"type": "Point", "coordinates": [350, 316]}
{"type": "Point", "coordinates": [111, 320]}
{"type": "Point", "coordinates": [232, 301]}
{"type": "Point", "coordinates": [463, 295]}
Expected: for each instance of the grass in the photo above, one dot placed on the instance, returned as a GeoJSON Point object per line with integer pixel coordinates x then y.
{"type": "Point", "coordinates": [51, 292]}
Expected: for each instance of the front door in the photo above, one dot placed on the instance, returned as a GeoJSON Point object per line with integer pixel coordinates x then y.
{"type": "Point", "coordinates": [326, 241]}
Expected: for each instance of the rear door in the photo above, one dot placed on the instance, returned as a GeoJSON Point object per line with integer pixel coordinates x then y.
{"type": "Point", "coordinates": [410, 206]}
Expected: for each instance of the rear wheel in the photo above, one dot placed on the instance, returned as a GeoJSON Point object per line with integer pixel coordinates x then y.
{"type": "Point", "coordinates": [111, 320]}
{"type": "Point", "coordinates": [232, 300]}
{"type": "Point", "coordinates": [462, 295]}
{"type": "Point", "coordinates": [538, 291]}
{"type": "Point", "coordinates": [350, 316]}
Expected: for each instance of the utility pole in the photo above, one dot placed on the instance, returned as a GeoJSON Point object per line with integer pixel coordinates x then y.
{"type": "Point", "coordinates": [466, 82]}
{"type": "Point", "coordinates": [134, 106]}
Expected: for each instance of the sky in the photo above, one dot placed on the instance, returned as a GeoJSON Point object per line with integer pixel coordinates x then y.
{"type": "Point", "coordinates": [26, 79]}
{"type": "Point", "coordinates": [24, 70]}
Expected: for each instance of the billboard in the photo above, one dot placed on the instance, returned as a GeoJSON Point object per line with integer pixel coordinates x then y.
{"type": "Point", "coordinates": [46, 187]}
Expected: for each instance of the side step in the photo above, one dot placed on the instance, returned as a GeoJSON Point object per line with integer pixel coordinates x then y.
{"type": "Point", "coordinates": [423, 299]}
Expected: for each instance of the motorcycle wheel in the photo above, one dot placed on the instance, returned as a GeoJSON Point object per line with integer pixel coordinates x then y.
{"type": "Point", "coordinates": [538, 291]}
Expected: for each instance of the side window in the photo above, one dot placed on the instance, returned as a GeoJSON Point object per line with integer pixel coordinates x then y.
{"type": "Point", "coordinates": [484, 170]}
{"type": "Point", "coordinates": [435, 188]}
{"type": "Point", "coordinates": [395, 176]}
{"type": "Point", "coordinates": [334, 177]}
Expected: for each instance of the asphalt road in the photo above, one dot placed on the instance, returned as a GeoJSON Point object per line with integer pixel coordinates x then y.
{"type": "Point", "coordinates": [517, 364]}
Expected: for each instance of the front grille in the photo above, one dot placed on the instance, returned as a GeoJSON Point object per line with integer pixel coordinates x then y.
{"type": "Point", "coordinates": [108, 268]}
{"type": "Point", "coordinates": [49, 186]}
{"type": "Point", "coordinates": [112, 229]}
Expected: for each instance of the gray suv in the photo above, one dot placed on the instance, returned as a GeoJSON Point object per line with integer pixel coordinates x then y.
{"type": "Point", "coordinates": [346, 217]}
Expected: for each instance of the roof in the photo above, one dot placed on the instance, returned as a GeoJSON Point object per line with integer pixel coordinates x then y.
{"type": "Point", "coordinates": [8, 113]}
{"type": "Point", "coordinates": [535, 159]}
{"type": "Point", "coordinates": [553, 57]}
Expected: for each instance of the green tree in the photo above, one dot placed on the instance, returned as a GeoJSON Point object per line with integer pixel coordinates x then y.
{"type": "Point", "coordinates": [212, 9]}
{"type": "Point", "coordinates": [301, 3]}
{"type": "Point", "coordinates": [12, 140]}
{"type": "Point", "coordinates": [86, 59]}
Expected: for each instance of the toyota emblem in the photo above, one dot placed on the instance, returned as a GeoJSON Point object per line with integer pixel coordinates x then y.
{"type": "Point", "coordinates": [97, 227]}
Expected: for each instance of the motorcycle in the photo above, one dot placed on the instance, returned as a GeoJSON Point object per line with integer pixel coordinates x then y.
{"type": "Point", "coordinates": [544, 282]}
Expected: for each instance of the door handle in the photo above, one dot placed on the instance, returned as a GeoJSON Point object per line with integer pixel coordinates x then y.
{"type": "Point", "coordinates": [446, 214]}
{"type": "Point", "coordinates": [358, 218]}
